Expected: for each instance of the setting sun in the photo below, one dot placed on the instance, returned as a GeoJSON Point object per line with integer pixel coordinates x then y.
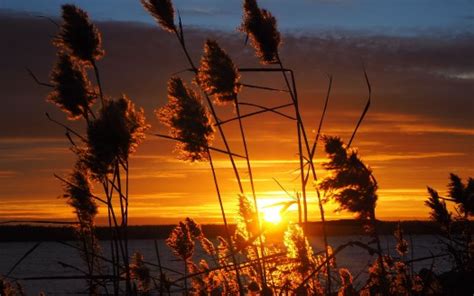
{"type": "Point", "coordinates": [271, 215]}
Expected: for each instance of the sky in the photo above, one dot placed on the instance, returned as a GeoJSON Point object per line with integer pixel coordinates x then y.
{"type": "Point", "coordinates": [419, 56]}
{"type": "Point", "coordinates": [399, 17]}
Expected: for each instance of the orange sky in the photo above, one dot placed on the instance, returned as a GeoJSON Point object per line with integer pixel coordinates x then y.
{"type": "Point", "coordinates": [420, 127]}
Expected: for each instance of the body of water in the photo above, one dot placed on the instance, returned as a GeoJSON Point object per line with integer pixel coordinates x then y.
{"type": "Point", "coordinates": [47, 260]}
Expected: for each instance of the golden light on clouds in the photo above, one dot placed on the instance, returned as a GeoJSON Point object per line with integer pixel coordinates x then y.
{"type": "Point", "coordinates": [413, 136]}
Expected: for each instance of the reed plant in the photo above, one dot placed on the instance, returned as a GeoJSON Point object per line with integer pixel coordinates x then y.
{"type": "Point", "coordinates": [113, 131]}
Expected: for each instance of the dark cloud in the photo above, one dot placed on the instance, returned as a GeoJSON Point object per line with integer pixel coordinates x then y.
{"type": "Point", "coordinates": [205, 11]}
{"type": "Point", "coordinates": [407, 73]}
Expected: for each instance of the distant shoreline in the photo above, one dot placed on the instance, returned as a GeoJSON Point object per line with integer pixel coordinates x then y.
{"type": "Point", "coordinates": [23, 232]}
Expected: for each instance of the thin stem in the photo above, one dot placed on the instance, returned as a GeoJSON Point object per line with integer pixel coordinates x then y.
{"type": "Point", "coordinates": [113, 244]}
{"type": "Point", "coordinates": [91, 277]}
{"type": "Point", "coordinates": [323, 115]}
{"type": "Point", "coordinates": [385, 284]}
{"type": "Point", "coordinates": [37, 80]}
{"type": "Point", "coordinates": [124, 229]}
{"type": "Point", "coordinates": [126, 209]}
{"type": "Point", "coordinates": [126, 190]}
{"type": "Point", "coordinates": [118, 240]}
{"type": "Point", "coordinates": [180, 36]}
{"type": "Point", "coordinates": [66, 127]}
{"type": "Point", "coordinates": [99, 83]}
{"type": "Point", "coordinates": [366, 108]}
{"type": "Point", "coordinates": [18, 262]}
{"type": "Point", "coordinates": [252, 185]}
{"type": "Point", "coordinates": [185, 278]}
{"type": "Point", "coordinates": [119, 189]}
{"type": "Point", "coordinates": [207, 147]}
{"type": "Point", "coordinates": [73, 185]}
{"type": "Point", "coordinates": [160, 269]}
{"type": "Point", "coordinates": [271, 109]}
{"type": "Point", "coordinates": [226, 227]}
{"type": "Point", "coordinates": [325, 237]}
{"type": "Point", "coordinates": [298, 199]}
{"type": "Point", "coordinates": [262, 87]}
{"type": "Point", "coordinates": [264, 109]}
{"type": "Point", "coordinates": [84, 244]}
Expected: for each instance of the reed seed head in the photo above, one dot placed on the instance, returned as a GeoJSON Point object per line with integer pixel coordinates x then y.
{"type": "Point", "coordinates": [402, 244]}
{"type": "Point", "coordinates": [462, 194]}
{"type": "Point", "coordinates": [78, 191]}
{"type": "Point", "coordinates": [72, 91]}
{"type": "Point", "coordinates": [78, 36]}
{"type": "Point", "coordinates": [194, 228]}
{"type": "Point", "coordinates": [140, 273]}
{"type": "Point", "coordinates": [439, 211]}
{"type": "Point", "coordinates": [261, 27]}
{"type": "Point", "coordinates": [162, 11]}
{"type": "Point", "coordinates": [217, 74]}
{"type": "Point", "coordinates": [247, 220]}
{"type": "Point", "coordinates": [114, 135]}
{"type": "Point", "coordinates": [346, 288]}
{"type": "Point", "coordinates": [223, 248]}
{"type": "Point", "coordinates": [181, 242]}
{"type": "Point", "coordinates": [346, 276]}
{"type": "Point", "coordinates": [9, 289]}
{"type": "Point", "coordinates": [298, 247]}
{"type": "Point", "coordinates": [208, 246]}
{"type": "Point", "coordinates": [188, 120]}
{"type": "Point", "coordinates": [351, 184]}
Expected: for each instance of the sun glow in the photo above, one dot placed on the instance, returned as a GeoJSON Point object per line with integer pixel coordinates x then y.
{"type": "Point", "coordinates": [271, 215]}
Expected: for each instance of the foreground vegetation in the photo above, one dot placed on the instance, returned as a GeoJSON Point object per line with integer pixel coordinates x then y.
{"type": "Point", "coordinates": [241, 261]}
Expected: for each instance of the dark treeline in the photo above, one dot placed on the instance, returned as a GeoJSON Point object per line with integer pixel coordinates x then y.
{"type": "Point", "coordinates": [12, 233]}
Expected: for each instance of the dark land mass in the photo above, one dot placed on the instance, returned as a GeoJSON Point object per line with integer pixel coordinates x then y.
{"type": "Point", "coordinates": [24, 232]}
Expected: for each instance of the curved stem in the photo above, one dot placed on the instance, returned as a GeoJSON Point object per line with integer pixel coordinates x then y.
{"type": "Point", "coordinates": [99, 83]}
{"type": "Point", "coordinates": [366, 108]}
{"type": "Point", "coordinates": [323, 115]}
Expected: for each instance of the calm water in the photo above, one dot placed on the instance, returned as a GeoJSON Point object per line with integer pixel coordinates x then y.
{"type": "Point", "coordinates": [45, 260]}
